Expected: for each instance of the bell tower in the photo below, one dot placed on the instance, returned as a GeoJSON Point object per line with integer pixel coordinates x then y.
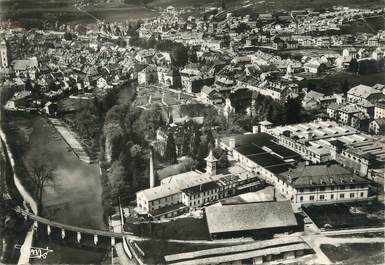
{"type": "Point", "coordinates": [211, 164]}
{"type": "Point", "coordinates": [4, 54]}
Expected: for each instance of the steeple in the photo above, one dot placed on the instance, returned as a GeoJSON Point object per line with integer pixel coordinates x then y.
{"type": "Point", "coordinates": [4, 54]}
{"type": "Point", "coordinates": [211, 164]}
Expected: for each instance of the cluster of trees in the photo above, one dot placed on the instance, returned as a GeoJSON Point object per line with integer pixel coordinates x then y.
{"type": "Point", "coordinates": [126, 133]}
{"type": "Point", "coordinates": [88, 120]}
{"type": "Point", "coordinates": [196, 144]}
{"type": "Point", "coordinates": [366, 66]}
{"type": "Point", "coordinates": [288, 113]}
{"type": "Point", "coordinates": [178, 52]}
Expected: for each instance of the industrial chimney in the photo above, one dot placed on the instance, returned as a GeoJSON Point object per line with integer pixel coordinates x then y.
{"type": "Point", "coordinates": [152, 175]}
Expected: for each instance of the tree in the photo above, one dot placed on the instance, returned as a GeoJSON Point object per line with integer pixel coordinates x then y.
{"type": "Point", "coordinates": [345, 86]}
{"type": "Point", "coordinates": [203, 152]}
{"type": "Point", "coordinates": [170, 152]}
{"type": "Point", "coordinates": [353, 65]}
{"type": "Point", "coordinates": [210, 139]}
{"type": "Point", "coordinates": [41, 175]}
{"type": "Point", "coordinates": [221, 155]}
{"type": "Point", "coordinates": [179, 56]}
{"type": "Point", "coordinates": [116, 176]}
{"type": "Point", "coordinates": [196, 142]}
{"type": "Point", "coordinates": [293, 109]}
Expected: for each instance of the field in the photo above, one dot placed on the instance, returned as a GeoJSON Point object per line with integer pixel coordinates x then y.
{"type": "Point", "coordinates": [34, 13]}
{"type": "Point", "coordinates": [359, 253]}
{"type": "Point", "coordinates": [347, 215]}
{"type": "Point", "coordinates": [182, 229]}
{"type": "Point", "coordinates": [267, 5]}
{"type": "Point", "coordinates": [30, 12]}
{"type": "Point", "coordinates": [330, 83]}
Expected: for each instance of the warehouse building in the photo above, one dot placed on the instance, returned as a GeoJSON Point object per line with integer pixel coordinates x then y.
{"type": "Point", "coordinates": [260, 220]}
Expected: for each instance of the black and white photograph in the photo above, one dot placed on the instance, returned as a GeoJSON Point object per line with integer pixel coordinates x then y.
{"type": "Point", "coordinates": [192, 132]}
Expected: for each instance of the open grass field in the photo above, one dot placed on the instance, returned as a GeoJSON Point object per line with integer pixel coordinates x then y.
{"type": "Point", "coordinates": [331, 82]}
{"type": "Point", "coordinates": [27, 11]}
{"type": "Point", "coordinates": [261, 6]}
{"type": "Point", "coordinates": [347, 215]}
{"type": "Point", "coordinates": [182, 229]}
{"type": "Point", "coordinates": [359, 253]}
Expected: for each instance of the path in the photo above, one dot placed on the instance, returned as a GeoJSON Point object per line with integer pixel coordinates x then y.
{"type": "Point", "coordinates": [28, 201]}
{"type": "Point", "coordinates": [71, 139]}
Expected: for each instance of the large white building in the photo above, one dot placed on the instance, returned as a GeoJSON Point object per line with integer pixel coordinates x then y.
{"type": "Point", "coordinates": [179, 193]}
{"type": "Point", "coordinates": [322, 183]}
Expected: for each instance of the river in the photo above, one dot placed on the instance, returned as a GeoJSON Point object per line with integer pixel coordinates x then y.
{"type": "Point", "coordinates": [74, 198]}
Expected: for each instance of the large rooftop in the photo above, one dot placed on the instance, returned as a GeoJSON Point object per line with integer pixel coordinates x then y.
{"type": "Point", "coordinates": [253, 216]}
{"type": "Point", "coordinates": [321, 175]}
{"type": "Point", "coordinates": [262, 149]}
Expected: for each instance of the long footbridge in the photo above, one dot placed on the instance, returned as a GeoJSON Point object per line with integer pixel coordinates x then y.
{"type": "Point", "coordinates": [65, 227]}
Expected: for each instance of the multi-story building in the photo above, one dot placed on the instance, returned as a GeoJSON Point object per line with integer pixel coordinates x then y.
{"type": "Point", "coordinates": [312, 140]}
{"type": "Point", "coordinates": [322, 183]}
{"type": "Point", "coordinates": [180, 193]}
{"type": "Point", "coordinates": [362, 92]}
{"type": "Point", "coordinates": [379, 110]}
{"type": "Point", "coordinates": [148, 75]}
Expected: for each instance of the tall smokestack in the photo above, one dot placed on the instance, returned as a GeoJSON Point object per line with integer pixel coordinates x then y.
{"type": "Point", "coordinates": [152, 176]}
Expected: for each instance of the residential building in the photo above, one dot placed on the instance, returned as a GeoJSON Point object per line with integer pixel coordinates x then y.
{"type": "Point", "coordinates": [379, 110]}
{"type": "Point", "coordinates": [148, 75]}
{"type": "Point", "coordinates": [377, 126]}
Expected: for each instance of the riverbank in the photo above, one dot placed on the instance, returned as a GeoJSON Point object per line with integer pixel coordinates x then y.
{"type": "Point", "coordinates": [75, 196]}
{"type": "Point", "coordinates": [71, 139]}
{"type": "Point", "coordinates": [28, 202]}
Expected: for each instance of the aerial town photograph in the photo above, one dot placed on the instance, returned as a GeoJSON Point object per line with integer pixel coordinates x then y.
{"type": "Point", "coordinates": [188, 132]}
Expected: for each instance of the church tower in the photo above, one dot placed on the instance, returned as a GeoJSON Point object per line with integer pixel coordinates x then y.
{"type": "Point", "coordinates": [4, 54]}
{"type": "Point", "coordinates": [211, 164]}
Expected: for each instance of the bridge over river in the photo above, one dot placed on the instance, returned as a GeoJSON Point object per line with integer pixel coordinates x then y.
{"type": "Point", "coordinates": [38, 220]}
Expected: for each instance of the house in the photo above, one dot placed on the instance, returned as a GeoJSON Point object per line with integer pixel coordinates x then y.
{"type": "Point", "coordinates": [363, 92]}
{"type": "Point", "coordinates": [365, 107]}
{"type": "Point", "coordinates": [252, 219]}
{"type": "Point", "coordinates": [374, 41]}
{"type": "Point", "coordinates": [18, 100]}
{"type": "Point", "coordinates": [168, 77]}
{"type": "Point", "coordinates": [101, 83]}
{"type": "Point", "coordinates": [314, 66]}
{"type": "Point", "coordinates": [51, 108]}
{"type": "Point", "coordinates": [266, 18]}
{"type": "Point", "coordinates": [291, 44]}
{"type": "Point", "coordinates": [349, 52]}
{"type": "Point", "coordinates": [312, 184]}
{"type": "Point", "coordinates": [148, 75]}
{"type": "Point", "coordinates": [278, 43]}
{"type": "Point", "coordinates": [346, 113]}
{"type": "Point", "coordinates": [378, 54]}
{"type": "Point", "coordinates": [379, 110]}
{"type": "Point", "coordinates": [211, 96]}
{"type": "Point", "coordinates": [332, 111]}
{"type": "Point", "coordinates": [193, 79]}
{"type": "Point", "coordinates": [377, 126]}
{"type": "Point", "coordinates": [314, 100]}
